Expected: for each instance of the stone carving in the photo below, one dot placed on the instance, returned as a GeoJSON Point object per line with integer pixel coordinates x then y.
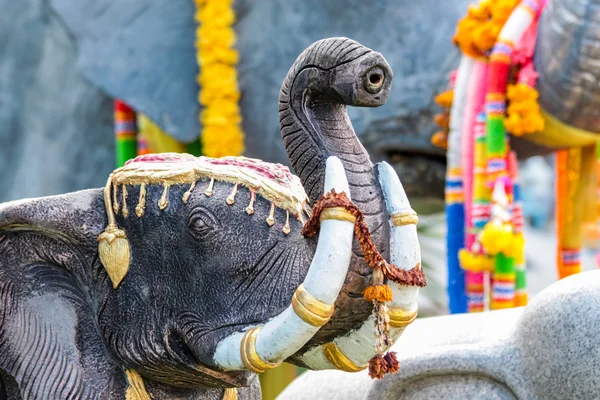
{"type": "Point", "coordinates": [546, 350]}
{"type": "Point", "coordinates": [184, 276]}
{"type": "Point", "coordinates": [53, 121]}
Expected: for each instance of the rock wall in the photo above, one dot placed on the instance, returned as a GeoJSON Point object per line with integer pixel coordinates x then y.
{"type": "Point", "coordinates": [62, 62]}
{"type": "Point", "coordinates": [55, 127]}
{"type": "Point", "coordinates": [143, 52]}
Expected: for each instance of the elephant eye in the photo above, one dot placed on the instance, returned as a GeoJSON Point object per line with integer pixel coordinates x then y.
{"type": "Point", "coordinates": [202, 222]}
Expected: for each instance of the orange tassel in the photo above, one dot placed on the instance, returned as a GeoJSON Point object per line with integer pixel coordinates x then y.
{"type": "Point", "coordinates": [392, 362]}
{"type": "Point", "coordinates": [380, 365]}
{"type": "Point", "coordinates": [377, 367]}
{"type": "Point", "coordinates": [380, 293]}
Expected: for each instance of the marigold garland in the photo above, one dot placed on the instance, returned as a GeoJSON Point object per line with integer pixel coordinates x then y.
{"type": "Point", "coordinates": [478, 31]}
{"type": "Point", "coordinates": [219, 95]}
{"type": "Point", "coordinates": [523, 110]}
{"type": "Point", "coordinates": [501, 35]}
{"type": "Point", "coordinates": [472, 262]}
{"type": "Point", "coordinates": [444, 100]}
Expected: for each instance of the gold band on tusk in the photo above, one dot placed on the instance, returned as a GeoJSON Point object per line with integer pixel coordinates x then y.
{"type": "Point", "coordinates": [335, 356]}
{"type": "Point", "coordinates": [399, 318]}
{"type": "Point", "coordinates": [339, 213]}
{"type": "Point", "coordinates": [402, 218]}
{"type": "Point", "coordinates": [250, 357]}
{"type": "Point", "coordinates": [310, 309]}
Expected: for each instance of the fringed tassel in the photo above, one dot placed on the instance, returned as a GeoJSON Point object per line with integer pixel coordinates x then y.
{"type": "Point", "coordinates": [373, 258]}
{"type": "Point", "coordinates": [379, 291]}
{"type": "Point", "coordinates": [381, 364]}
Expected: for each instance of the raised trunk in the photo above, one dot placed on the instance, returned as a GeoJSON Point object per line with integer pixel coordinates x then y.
{"type": "Point", "coordinates": [314, 127]}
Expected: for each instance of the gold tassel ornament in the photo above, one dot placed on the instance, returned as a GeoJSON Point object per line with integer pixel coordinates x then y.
{"type": "Point", "coordinates": [113, 246]}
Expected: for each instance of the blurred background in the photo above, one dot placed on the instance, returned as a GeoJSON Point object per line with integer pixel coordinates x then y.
{"type": "Point", "coordinates": [64, 65]}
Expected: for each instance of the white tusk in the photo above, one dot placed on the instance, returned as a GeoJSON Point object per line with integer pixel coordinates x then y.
{"type": "Point", "coordinates": [265, 347]}
{"type": "Point", "coordinates": [353, 351]}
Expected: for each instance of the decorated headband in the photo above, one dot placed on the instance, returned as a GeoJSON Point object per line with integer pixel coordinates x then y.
{"type": "Point", "coordinates": [274, 182]}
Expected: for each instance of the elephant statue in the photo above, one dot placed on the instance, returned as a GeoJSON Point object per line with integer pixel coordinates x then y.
{"type": "Point", "coordinates": [185, 276]}
{"type": "Point", "coordinates": [546, 350]}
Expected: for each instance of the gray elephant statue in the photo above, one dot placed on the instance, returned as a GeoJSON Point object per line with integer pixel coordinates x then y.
{"type": "Point", "coordinates": [546, 350]}
{"type": "Point", "coordinates": [184, 276]}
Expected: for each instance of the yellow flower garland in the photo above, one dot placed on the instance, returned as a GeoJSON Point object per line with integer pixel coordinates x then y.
{"type": "Point", "coordinates": [478, 31]}
{"type": "Point", "coordinates": [523, 112]}
{"type": "Point", "coordinates": [444, 100]}
{"type": "Point", "coordinates": [219, 95]}
{"type": "Point", "coordinates": [475, 262]}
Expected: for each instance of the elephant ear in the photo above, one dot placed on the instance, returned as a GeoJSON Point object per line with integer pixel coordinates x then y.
{"type": "Point", "coordinates": [48, 265]}
{"type": "Point", "coordinates": [143, 53]}
{"type": "Point", "coordinates": [77, 217]}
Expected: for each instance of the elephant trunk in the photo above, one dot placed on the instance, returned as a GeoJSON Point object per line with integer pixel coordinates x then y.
{"type": "Point", "coordinates": [326, 77]}
{"type": "Point", "coordinates": [567, 58]}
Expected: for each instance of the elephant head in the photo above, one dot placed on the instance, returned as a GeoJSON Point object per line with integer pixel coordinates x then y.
{"type": "Point", "coordinates": [190, 272]}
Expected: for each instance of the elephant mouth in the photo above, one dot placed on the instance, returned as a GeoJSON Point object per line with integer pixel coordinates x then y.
{"type": "Point", "coordinates": [190, 347]}
{"type": "Point", "coordinates": [195, 366]}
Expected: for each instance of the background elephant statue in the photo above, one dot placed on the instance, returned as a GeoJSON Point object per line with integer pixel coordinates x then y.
{"type": "Point", "coordinates": [184, 275]}
{"type": "Point", "coordinates": [58, 89]}
{"type": "Point", "coordinates": [546, 350]}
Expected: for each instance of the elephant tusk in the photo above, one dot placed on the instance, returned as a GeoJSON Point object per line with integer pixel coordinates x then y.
{"type": "Point", "coordinates": [264, 347]}
{"type": "Point", "coordinates": [353, 351]}
{"type": "Point", "coordinates": [405, 249]}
